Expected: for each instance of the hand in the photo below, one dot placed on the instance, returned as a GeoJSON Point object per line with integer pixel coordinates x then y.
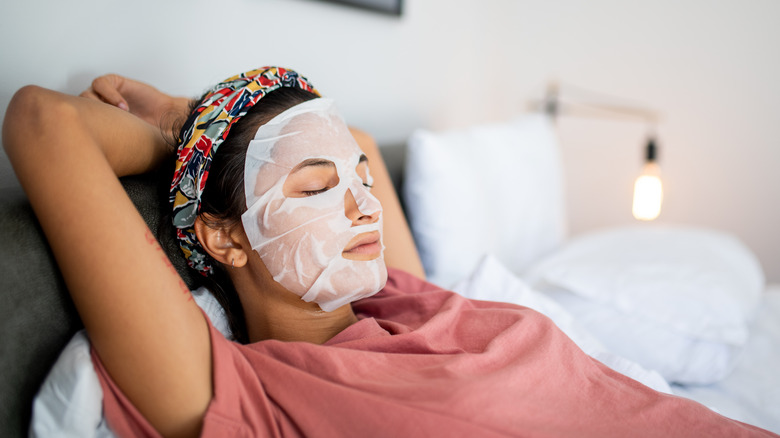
{"type": "Point", "coordinates": [142, 100]}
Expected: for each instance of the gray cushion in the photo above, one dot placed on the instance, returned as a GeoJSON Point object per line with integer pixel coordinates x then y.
{"type": "Point", "coordinates": [37, 316]}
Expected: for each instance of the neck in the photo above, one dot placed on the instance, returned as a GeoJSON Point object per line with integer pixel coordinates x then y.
{"type": "Point", "coordinates": [273, 312]}
{"type": "Point", "coordinates": [299, 324]}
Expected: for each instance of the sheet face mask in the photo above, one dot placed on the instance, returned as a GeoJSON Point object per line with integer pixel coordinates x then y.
{"type": "Point", "coordinates": [301, 239]}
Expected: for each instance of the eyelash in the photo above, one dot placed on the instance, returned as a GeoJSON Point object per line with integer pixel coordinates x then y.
{"type": "Point", "coordinates": [317, 192]}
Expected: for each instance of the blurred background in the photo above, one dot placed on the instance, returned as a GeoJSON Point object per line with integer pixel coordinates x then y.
{"type": "Point", "coordinates": [709, 68]}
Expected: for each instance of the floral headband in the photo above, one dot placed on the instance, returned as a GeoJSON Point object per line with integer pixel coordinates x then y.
{"type": "Point", "coordinates": [206, 128]}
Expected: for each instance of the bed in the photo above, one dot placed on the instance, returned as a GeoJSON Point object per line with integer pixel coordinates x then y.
{"type": "Point", "coordinates": [687, 304]}
{"type": "Point", "coordinates": [523, 255]}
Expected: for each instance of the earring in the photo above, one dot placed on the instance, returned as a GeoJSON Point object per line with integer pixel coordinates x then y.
{"type": "Point", "coordinates": [232, 263]}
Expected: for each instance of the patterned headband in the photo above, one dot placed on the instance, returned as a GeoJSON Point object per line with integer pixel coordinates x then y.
{"type": "Point", "coordinates": [206, 128]}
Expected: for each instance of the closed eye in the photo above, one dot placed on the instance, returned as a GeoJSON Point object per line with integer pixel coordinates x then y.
{"type": "Point", "coordinates": [315, 192]}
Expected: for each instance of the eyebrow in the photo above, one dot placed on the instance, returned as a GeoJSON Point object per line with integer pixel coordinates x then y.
{"type": "Point", "coordinates": [312, 162]}
{"type": "Point", "coordinates": [322, 162]}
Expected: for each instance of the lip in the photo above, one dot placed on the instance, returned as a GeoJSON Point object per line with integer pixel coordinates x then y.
{"type": "Point", "coordinates": [364, 244]}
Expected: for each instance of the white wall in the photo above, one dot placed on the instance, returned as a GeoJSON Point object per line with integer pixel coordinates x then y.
{"type": "Point", "coordinates": [710, 67]}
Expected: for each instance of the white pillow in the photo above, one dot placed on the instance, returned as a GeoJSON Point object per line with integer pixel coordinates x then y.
{"type": "Point", "coordinates": [493, 189]}
{"type": "Point", "coordinates": [700, 283]}
{"type": "Point", "coordinates": [70, 401]}
{"type": "Point", "coordinates": [677, 300]}
{"type": "Point", "coordinates": [491, 281]}
{"type": "Point", "coordinates": [677, 357]}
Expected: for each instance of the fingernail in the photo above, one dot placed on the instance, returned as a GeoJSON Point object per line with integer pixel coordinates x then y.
{"type": "Point", "coordinates": [123, 106]}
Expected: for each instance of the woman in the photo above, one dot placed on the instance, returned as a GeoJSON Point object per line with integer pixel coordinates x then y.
{"type": "Point", "coordinates": [412, 360]}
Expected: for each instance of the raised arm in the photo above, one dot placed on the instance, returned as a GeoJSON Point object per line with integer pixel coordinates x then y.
{"type": "Point", "coordinates": [67, 152]}
{"type": "Point", "coordinates": [400, 251]}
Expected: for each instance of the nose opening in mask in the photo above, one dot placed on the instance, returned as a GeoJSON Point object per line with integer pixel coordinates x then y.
{"type": "Point", "coordinates": [359, 212]}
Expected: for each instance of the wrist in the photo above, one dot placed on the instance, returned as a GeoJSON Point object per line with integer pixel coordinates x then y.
{"type": "Point", "coordinates": [181, 105]}
{"type": "Point", "coordinates": [173, 117]}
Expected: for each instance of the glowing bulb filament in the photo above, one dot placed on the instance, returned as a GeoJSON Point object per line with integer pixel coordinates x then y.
{"type": "Point", "coordinates": [648, 193]}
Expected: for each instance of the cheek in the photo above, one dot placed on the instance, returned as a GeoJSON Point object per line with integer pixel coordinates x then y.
{"type": "Point", "coordinates": [299, 256]}
{"type": "Point", "coordinates": [296, 260]}
{"type": "Point", "coordinates": [271, 220]}
{"type": "Point", "coordinates": [279, 218]}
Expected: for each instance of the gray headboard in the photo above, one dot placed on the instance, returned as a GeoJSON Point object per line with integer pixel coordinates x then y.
{"type": "Point", "coordinates": [37, 317]}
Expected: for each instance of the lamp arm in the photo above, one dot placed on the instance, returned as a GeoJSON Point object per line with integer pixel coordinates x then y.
{"type": "Point", "coordinates": [602, 110]}
{"type": "Point", "coordinates": [648, 189]}
{"type": "Point", "coordinates": [554, 105]}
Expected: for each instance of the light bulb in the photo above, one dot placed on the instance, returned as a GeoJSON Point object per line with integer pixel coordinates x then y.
{"type": "Point", "coordinates": [648, 193]}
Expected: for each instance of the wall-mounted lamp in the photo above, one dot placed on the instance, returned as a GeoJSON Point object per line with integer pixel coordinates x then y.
{"type": "Point", "coordinates": [648, 189]}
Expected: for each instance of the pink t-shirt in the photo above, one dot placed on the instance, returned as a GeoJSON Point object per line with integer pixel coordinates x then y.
{"type": "Point", "coordinates": [425, 362]}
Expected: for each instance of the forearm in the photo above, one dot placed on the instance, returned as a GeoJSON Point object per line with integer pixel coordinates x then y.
{"type": "Point", "coordinates": [40, 122]}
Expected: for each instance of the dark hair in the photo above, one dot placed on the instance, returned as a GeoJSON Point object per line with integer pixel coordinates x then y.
{"type": "Point", "coordinates": [223, 197]}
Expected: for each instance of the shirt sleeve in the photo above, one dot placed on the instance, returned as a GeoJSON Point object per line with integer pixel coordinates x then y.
{"type": "Point", "coordinates": [236, 386]}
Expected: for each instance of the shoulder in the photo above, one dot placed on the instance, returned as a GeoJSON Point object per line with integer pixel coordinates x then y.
{"type": "Point", "coordinates": [402, 282]}
{"type": "Point", "coordinates": [403, 295]}
{"type": "Point", "coordinates": [407, 298]}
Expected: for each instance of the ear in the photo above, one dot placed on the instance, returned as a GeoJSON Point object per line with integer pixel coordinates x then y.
{"type": "Point", "coordinates": [223, 243]}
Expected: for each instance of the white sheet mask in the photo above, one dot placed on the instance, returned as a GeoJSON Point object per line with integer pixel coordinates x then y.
{"type": "Point", "coordinates": [301, 239]}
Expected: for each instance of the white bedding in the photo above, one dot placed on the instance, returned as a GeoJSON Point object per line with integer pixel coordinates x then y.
{"type": "Point", "coordinates": [69, 400]}
{"type": "Point", "coordinates": [751, 393]}
{"type": "Point", "coordinates": [684, 303]}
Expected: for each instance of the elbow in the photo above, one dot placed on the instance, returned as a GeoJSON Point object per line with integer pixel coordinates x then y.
{"type": "Point", "coordinates": [32, 113]}
{"type": "Point", "coordinates": [22, 113]}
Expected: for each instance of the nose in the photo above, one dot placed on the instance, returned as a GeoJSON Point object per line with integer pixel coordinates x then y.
{"type": "Point", "coordinates": [353, 213]}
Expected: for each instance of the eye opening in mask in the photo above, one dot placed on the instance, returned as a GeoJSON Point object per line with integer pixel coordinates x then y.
{"type": "Point", "coordinates": [310, 177]}
{"type": "Point", "coordinates": [318, 175]}
{"type": "Point", "coordinates": [362, 171]}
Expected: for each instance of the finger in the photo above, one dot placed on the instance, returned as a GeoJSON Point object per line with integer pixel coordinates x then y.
{"type": "Point", "coordinates": [107, 88]}
{"type": "Point", "coordinates": [90, 94]}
